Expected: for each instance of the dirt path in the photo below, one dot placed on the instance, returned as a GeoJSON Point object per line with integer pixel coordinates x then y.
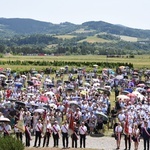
{"type": "Point", "coordinates": [98, 143]}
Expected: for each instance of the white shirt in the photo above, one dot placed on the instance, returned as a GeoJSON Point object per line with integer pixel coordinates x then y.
{"type": "Point", "coordinates": [49, 127]}
{"type": "Point", "coordinates": [56, 128]}
{"type": "Point", "coordinates": [7, 128]}
{"type": "Point", "coordinates": [82, 130]}
{"type": "Point", "coordinates": [118, 129]}
{"type": "Point", "coordinates": [38, 127]}
{"type": "Point", "coordinates": [121, 117]}
{"type": "Point", "coordinates": [64, 128]}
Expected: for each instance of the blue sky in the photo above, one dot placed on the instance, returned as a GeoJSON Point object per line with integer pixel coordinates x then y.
{"type": "Point", "coordinates": [131, 13]}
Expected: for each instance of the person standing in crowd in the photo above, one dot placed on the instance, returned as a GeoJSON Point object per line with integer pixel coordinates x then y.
{"type": "Point", "coordinates": [6, 129]}
{"type": "Point", "coordinates": [136, 136]}
{"type": "Point", "coordinates": [118, 132]}
{"type": "Point", "coordinates": [47, 134]}
{"type": "Point", "coordinates": [74, 136]}
{"type": "Point", "coordinates": [82, 133]}
{"type": "Point", "coordinates": [113, 116]}
{"type": "Point", "coordinates": [38, 134]}
{"type": "Point", "coordinates": [56, 136]}
{"type": "Point", "coordinates": [127, 137]}
{"type": "Point", "coordinates": [27, 135]}
{"type": "Point", "coordinates": [116, 92]}
{"type": "Point", "coordinates": [146, 135]}
{"type": "Point", "coordinates": [18, 133]}
{"type": "Point", "coordinates": [64, 131]}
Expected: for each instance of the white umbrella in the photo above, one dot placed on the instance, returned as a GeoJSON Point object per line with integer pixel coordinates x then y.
{"type": "Point", "coordinates": [39, 110]}
{"type": "Point", "coordinates": [48, 80]}
{"type": "Point", "coordinates": [122, 97]}
{"type": "Point", "coordinates": [2, 76]}
{"type": "Point", "coordinates": [95, 80]}
{"type": "Point", "coordinates": [96, 84]}
{"type": "Point", "coordinates": [139, 95]}
{"type": "Point", "coordinates": [34, 78]}
{"type": "Point", "coordinates": [50, 93]}
{"type": "Point", "coordinates": [24, 76]}
{"type": "Point", "coordinates": [139, 89]}
{"type": "Point", "coordinates": [95, 65]}
{"type": "Point", "coordinates": [87, 84]}
{"type": "Point", "coordinates": [119, 77]}
{"type": "Point", "coordinates": [62, 68]}
{"type": "Point", "coordinates": [3, 119]}
{"type": "Point", "coordinates": [9, 82]}
{"type": "Point", "coordinates": [52, 105]}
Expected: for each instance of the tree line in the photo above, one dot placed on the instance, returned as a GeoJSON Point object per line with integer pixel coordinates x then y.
{"type": "Point", "coordinates": [49, 44]}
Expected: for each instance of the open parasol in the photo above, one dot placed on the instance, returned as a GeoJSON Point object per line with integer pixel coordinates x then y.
{"type": "Point", "coordinates": [3, 119]}
{"type": "Point", "coordinates": [105, 117]}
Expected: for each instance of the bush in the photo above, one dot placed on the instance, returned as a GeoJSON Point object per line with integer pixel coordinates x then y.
{"type": "Point", "coordinates": [1, 55]}
{"type": "Point", "coordinates": [11, 143]}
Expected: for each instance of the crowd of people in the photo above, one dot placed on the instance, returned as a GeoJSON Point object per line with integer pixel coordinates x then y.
{"type": "Point", "coordinates": [85, 96]}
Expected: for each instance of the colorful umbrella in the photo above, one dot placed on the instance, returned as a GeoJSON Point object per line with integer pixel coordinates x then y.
{"type": "Point", "coordinates": [131, 95]}
{"type": "Point", "coordinates": [44, 98]}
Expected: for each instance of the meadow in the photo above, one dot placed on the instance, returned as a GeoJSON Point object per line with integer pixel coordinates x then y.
{"type": "Point", "coordinates": [139, 62]}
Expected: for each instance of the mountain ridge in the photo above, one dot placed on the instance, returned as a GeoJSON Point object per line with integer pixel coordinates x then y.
{"type": "Point", "coordinates": [17, 26]}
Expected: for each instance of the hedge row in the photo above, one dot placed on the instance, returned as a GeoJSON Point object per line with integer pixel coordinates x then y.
{"type": "Point", "coordinates": [64, 63]}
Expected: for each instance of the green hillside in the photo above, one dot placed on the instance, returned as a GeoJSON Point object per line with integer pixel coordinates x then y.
{"type": "Point", "coordinates": [33, 37]}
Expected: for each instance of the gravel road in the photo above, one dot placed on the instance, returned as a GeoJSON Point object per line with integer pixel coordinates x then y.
{"type": "Point", "coordinates": [99, 143]}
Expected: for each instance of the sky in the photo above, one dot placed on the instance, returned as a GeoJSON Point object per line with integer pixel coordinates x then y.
{"type": "Point", "coordinates": [130, 13]}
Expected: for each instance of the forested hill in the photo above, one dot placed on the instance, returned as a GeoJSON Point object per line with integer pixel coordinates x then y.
{"type": "Point", "coordinates": [30, 26]}
{"type": "Point", "coordinates": [17, 26]}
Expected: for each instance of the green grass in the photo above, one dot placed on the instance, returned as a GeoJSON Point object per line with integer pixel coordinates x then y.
{"type": "Point", "coordinates": [94, 39]}
{"type": "Point", "coordinates": [128, 38]}
{"type": "Point", "coordinates": [65, 36]}
{"type": "Point", "coordinates": [83, 31]}
{"type": "Point", "coordinates": [140, 61]}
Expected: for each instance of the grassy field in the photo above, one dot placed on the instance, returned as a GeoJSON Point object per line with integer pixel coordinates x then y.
{"type": "Point", "coordinates": [65, 36]}
{"type": "Point", "coordinates": [93, 39]}
{"type": "Point", "coordinates": [128, 38]}
{"type": "Point", "coordinates": [140, 61]}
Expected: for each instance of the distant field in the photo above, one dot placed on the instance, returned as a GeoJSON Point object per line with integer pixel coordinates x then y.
{"type": "Point", "coordinates": [128, 38]}
{"type": "Point", "coordinates": [93, 39]}
{"type": "Point", "coordinates": [65, 36]}
{"type": "Point", "coordinates": [83, 31]}
{"type": "Point", "coordinates": [140, 61]}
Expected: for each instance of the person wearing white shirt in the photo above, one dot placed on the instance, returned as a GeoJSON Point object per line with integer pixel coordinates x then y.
{"type": "Point", "coordinates": [18, 132]}
{"type": "Point", "coordinates": [121, 116]}
{"type": "Point", "coordinates": [47, 134]}
{"type": "Point", "coordinates": [127, 137]}
{"type": "Point", "coordinates": [38, 129]}
{"type": "Point", "coordinates": [82, 132]}
{"type": "Point", "coordinates": [136, 136]}
{"type": "Point", "coordinates": [6, 129]}
{"type": "Point", "coordinates": [118, 131]}
{"type": "Point", "coordinates": [56, 130]}
{"type": "Point", "coordinates": [64, 131]}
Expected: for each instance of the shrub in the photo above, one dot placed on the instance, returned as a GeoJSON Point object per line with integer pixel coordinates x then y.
{"type": "Point", "coordinates": [1, 55]}
{"type": "Point", "coordinates": [11, 143]}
